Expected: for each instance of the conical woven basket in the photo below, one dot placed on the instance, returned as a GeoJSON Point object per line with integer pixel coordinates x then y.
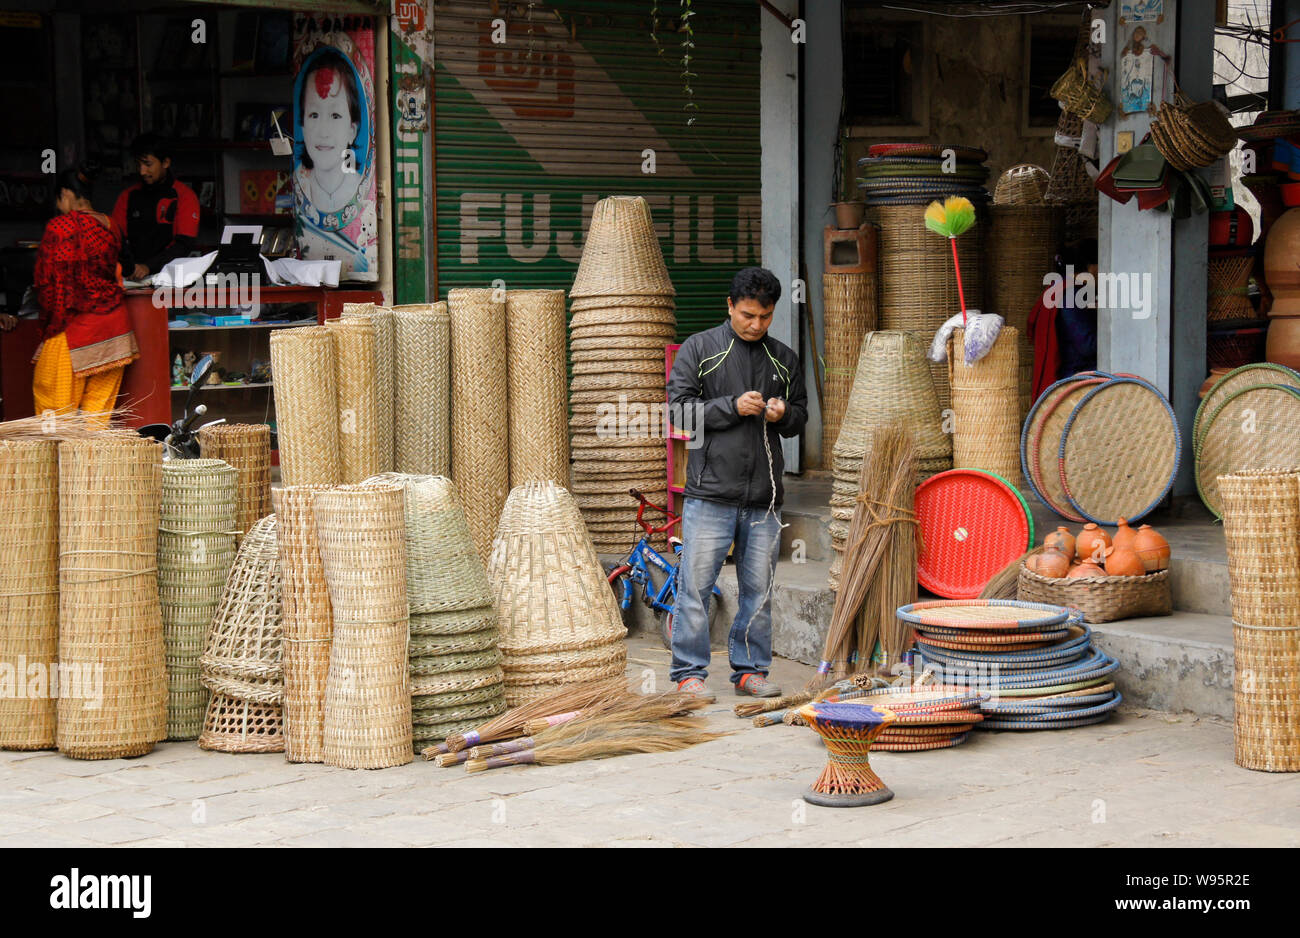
{"type": "Point", "coordinates": [538, 394]}
{"type": "Point", "coordinates": [306, 406]}
{"type": "Point", "coordinates": [354, 381]}
{"type": "Point", "coordinates": [385, 399]}
{"type": "Point", "coordinates": [850, 313]}
{"type": "Point", "coordinates": [308, 622]}
{"type": "Point", "coordinates": [986, 406]}
{"type": "Point", "coordinates": [361, 531]}
{"type": "Point", "coordinates": [242, 726]}
{"type": "Point", "coordinates": [196, 546]}
{"type": "Point", "coordinates": [480, 449]}
{"type": "Point", "coordinates": [422, 372]}
{"type": "Point", "coordinates": [29, 585]}
{"type": "Point", "coordinates": [621, 256]}
{"type": "Point", "coordinates": [110, 622]}
{"type": "Point", "coordinates": [247, 448]}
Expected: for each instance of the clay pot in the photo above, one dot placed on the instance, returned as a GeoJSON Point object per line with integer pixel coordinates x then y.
{"type": "Point", "coordinates": [1049, 563]}
{"type": "Point", "coordinates": [1151, 548]}
{"type": "Point", "coordinates": [1061, 541]}
{"type": "Point", "coordinates": [1216, 375]}
{"type": "Point", "coordinates": [1091, 544]}
{"type": "Point", "coordinates": [1283, 346]}
{"type": "Point", "coordinates": [1120, 561]}
{"type": "Point", "coordinates": [1085, 569]}
{"type": "Point", "coordinates": [1123, 536]}
{"type": "Point", "coordinates": [849, 216]}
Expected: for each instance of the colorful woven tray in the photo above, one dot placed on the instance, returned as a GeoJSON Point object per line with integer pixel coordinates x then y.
{"type": "Point", "coordinates": [972, 525]}
{"type": "Point", "coordinates": [972, 641]}
{"type": "Point", "coordinates": [1057, 690]}
{"type": "Point", "coordinates": [1054, 720]}
{"type": "Point", "coordinates": [910, 700]}
{"type": "Point", "coordinates": [1243, 377]}
{"type": "Point", "coordinates": [1040, 438]}
{"type": "Point", "coordinates": [886, 746]}
{"type": "Point", "coordinates": [1001, 614]}
{"type": "Point", "coordinates": [1254, 428]}
{"type": "Point", "coordinates": [1051, 705]}
{"type": "Point", "coordinates": [974, 154]}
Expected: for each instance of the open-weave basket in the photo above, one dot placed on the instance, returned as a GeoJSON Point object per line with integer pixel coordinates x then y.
{"type": "Point", "coordinates": [850, 313]}
{"type": "Point", "coordinates": [422, 372]}
{"type": "Point", "coordinates": [29, 585]}
{"type": "Point", "coordinates": [385, 380]}
{"type": "Point", "coordinates": [354, 383]}
{"type": "Point", "coordinates": [1080, 94]}
{"type": "Point", "coordinates": [1261, 524]}
{"type": "Point", "coordinates": [247, 448]}
{"type": "Point", "coordinates": [1022, 245]}
{"type": "Point", "coordinates": [308, 622]}
{"type": "Point", "coordinates": [361, 532]}
{"type": "Point", "coordinates": [1191, 135]}
{"type": "Point", "coordinates": [621, 256]}
{"type": "Point", "coordinates": [109, 616]}
{"type": "Point", "coordinates": [306, 406]}
{"type": "Point", "coordinates": [1101, 598]}
{"type": "Point", "coordinates": [1229, 288]}
{"type": "Point", "coordinates": [480, 433]}
{"type": "Point", "coordinates": [242, 726]}
{"type": "Point", "coordinates": [538, 391]}
{"type": "Point", "coordinates": [196, 546]}
{"type": "Point", "coordinates": [986, 406]}
{"type": "Point", "coordinates": [1022, 184]}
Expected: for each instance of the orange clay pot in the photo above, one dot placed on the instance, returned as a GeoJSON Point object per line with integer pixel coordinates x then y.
{"type": "Point", "coordinates": [1060, 540]}
{"type": "Point", "coordinates": [1085, 569]}
{"type": "Point", "coordinates": [1050, 563]}
{"type": "Point", "coordinates": [1152, 548]}
{"type": "Point", "coordinates": [1123, 536]}
{"type": "Point", "coordinates": [1120, 561]}
{"type": "Point", "coordinates": [1091, 544]}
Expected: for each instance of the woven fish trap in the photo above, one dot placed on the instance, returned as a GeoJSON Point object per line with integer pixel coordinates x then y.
{"type": "Point", "coordinates": [355, 387]}
{"type": "Point", "coordinates": [986, 406]}
{"type": "Point", "coordinates": [113, 675]}
{"type": "Point", "coordinates": [29, 586]}
{"type": "Point", "coordinates": [538, 386]}
{"type": "Point", "coordinates": [306, 406]}
{"type": "Point", "coordinates": [849, 303]}
{"type": "Point", "coordinates": [621, 255]}
{"type": "Point", "coordinates": [307, 622]}
{"type": "Point", "coordinates": [1022, 243]}
{"type": "Point", "coordinates": [196, 547]}
{"type": "Point", "coordinates": [385, 379]}
{"type": "Point", "coordinates": [551, 591]}
{"type": "Point", "coordinates": [422, 375]}
{"type": "Point", "coordinates": [247, 448]}
{"type": "Point", "coordinates": [456, 622]}
{"type": "Point", "coordinates": [242, 726]}
{"type": "Point", "coordinates": [480, 446]}
{"type": "Point", "coordinates": [1261, 524]}
{"type": "Point", "coordinates": [918, 286]}
{"type": "Point", "coordinates": [361, 531]}
{"type": "Point", "coordinates": [244, 651]}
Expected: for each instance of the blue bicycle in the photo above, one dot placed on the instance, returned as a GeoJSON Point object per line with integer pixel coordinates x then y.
{"type": "Point", "coordinates": [653, 573]}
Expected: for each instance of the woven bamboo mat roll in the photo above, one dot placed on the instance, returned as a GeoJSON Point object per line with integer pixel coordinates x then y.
{"type": "Point", "coordinates": [361, 531]}
{"type": "Point", "coordinates": [538, 392]}
{"type": "Point", "coordinates": [385, 378]}
{"type": "Point", "coordinates": [308, 622]}
{"type": "Point", "coordinates": [986, 406]}
{"type": "Point", "coordinates": [110, 623]}
{"type": "Point", "coordinates": [355, 358]}
{"type": "Point", "coordinates": [422, 371]}
{"type": "Point", "coordinates": [621, 255]}
{"type": "Point", "coordinates": [196, 546]}
{"type": "Point", "coordinates": [552, 595]}
{"type": "Point", "coordinates": [242, 726]}
{"type": "Point", "coordinates": [918, 289]}
{"type": "Point", "coordinates": [29, 585]}
{"type": "Point", "coordinates": [306, 406]}
{"type": "Point", "coordinates": [480, 433]}
{"type": "Point", "coordinates": [246, 447]}
{"type": "Point", "coordinates": [1022, 243]}
{"type": "Point", "coordinates": [1261, 523]}
{"type": "Point", "coordinates": [850, 313]}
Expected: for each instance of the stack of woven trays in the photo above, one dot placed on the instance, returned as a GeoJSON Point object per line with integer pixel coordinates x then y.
{"type": "Point", "coordinates": [918, 173]}
{"type": "Point", "coordinates": [623, 315]}
{"type": "Point", "coordinates": [456, 676]}
{"type": "Point", "coordinates": [560, 623]}
{"type": "Point", "coordinates": [1035, 662]}
{"type": "Point", "coordinates": [927, 718]}
{"type": "Point", "coordinates": [242, 663]}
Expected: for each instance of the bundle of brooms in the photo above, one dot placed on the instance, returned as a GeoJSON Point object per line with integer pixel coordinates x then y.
{"type": "Point", "coordinates": [879, 572]}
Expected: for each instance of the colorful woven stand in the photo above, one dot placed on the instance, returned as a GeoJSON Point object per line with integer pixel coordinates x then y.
{"type": "Point", "coordinates": [848, 732]}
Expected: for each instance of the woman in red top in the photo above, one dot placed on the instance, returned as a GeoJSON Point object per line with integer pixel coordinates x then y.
{"type": "Point", "coordinates": [86, 334]}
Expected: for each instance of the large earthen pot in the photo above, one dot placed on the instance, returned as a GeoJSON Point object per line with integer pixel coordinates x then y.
{"type": "Point", "coordinates": [1282, 271]}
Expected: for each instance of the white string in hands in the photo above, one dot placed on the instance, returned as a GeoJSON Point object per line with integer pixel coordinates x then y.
{"type": "Point", "coordinates": [771, 510]}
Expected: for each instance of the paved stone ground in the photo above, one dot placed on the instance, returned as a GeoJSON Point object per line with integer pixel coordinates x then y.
{"type": "Point", "coordinates": [1144, 778]}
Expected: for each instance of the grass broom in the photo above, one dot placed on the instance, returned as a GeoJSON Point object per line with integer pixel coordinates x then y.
{"type": "Point", "coordinates": [603, 737]}
{"type": "Point", "coordinates": [648, 707]}
{"type": "Point", "coordinates": [1006, 582]}
{"type": "Point", "coordinates": [895, 584]}
{"type": "Point", "coordinates": [75, 425]}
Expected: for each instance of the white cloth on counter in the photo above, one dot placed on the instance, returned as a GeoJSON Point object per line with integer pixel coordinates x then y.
{"type": "Point", "coordinates": [288, 271]}
{"type": "Point", "coordinates": [183, 271]}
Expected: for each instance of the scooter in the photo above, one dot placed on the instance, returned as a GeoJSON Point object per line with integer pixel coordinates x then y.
{"type": "Point", "coordinates": [180, 439]}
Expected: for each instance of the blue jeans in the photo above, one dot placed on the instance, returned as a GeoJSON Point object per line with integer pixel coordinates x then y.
{"type": "Point", "coordinates": [708, 531]}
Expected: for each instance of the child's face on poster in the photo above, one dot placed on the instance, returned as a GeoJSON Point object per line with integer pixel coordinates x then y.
{"type": "Point", "coordinates": [327, 126]}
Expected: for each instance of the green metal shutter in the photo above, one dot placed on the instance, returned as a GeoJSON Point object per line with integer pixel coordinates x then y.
{"type": "Point", "coordinates": [527, 143]}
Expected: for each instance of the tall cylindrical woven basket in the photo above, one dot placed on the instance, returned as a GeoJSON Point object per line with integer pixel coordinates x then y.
{"type": "Point", "coordinates": [538, 387]}
{"type": "Point", "coordinates": [480, 448]}
{"type": "Point", "coordinates": [306, 406]}
{"type": "Point", "coordinates": [29, 585]}
{"type": "Point", "coordinates": [361, 531]}
{"type": "Point", "coordinates": [986, 406]}
{"type": "Point", "coordinates": [422, 376]}
{"type": "Point", "coordinates": [560, 623]}
{"type": "Point", "coordinates": [385, 376]}
{"type": "Point", "coordinates": [308, 623]}
{"type": "Point", "coordinates": [247, 448]}
{"type": "Point", "coordinates": [110, 623]}
{"type": "Point", "coordinates": [1261, 523]}
{"type": "Point", "coordinates": [850, 310]}
{"type": "Point", "coordinates": [1021, 251]}
{"type": "Point", "coordinates": [196, 546]}
{"type": "Point", "coordinates": [354, 381]}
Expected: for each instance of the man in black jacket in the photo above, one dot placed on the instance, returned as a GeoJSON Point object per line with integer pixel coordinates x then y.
{"type": "Point", "coordinates": [746, 391]}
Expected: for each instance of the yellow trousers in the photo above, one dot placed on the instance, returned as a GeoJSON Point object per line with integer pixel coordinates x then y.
{"type": "Point", "coordinates": [56, 388]}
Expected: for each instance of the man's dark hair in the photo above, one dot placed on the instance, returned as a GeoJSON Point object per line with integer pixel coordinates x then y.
{"type": "Point", "coordinates": [756, 283]}
{"type": "Point", "coordinates": [151, 145]}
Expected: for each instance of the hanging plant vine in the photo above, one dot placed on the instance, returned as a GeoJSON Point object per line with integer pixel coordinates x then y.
{"type": "Point", "coordinates": [688, 52]}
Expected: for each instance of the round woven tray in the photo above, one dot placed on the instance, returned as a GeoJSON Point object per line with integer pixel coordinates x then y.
{"type": "Point", "coordinates": [1046, 705]}
{"type": "Point", "coordinates": [612, 384]}
{"type": "Point", "coordinates": [478, 712]}
{"type": "Point", "coordinates": [618, 315]}
{"type": "Point", "coordinates": [428, 646]}
{"type": "Point", "coordinates": [1005, 615]}
{"type": "Point", "coordinates": [1040, 439]}
{"type": "Point", "coordinates": [1236, 380]}
{"type": "Point", "coordinates": [456, 663]}
{"type": "Point", "coordinates": [596, 363]}
{"type": "Point", "coordinates": [972, 524]}
{"type": "Point", "coordinates": [1049, 719]}
{"type": "Point", "coordinates": [630, 343]}
{"type": "Point", "coordinates": [579, 399]}
{"type": "Point", "coordinates": [631, 330]}
{"type": "Point", "coordinates": [887, 746]}
{"type": "Point", "coordinates": [1254, 428]}
{"type": "Point", "coordinates": [459, 682]}
{"type": "Point", "coordinates": [968, 154]}
{"type": "Point", "coordinates": [968, 641]}
{"type": "Point", "coordinates": [489, 692]}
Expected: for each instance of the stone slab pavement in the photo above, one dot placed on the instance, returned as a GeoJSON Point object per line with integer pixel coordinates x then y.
{"type": "Point", "coordinates": [1142, 779]}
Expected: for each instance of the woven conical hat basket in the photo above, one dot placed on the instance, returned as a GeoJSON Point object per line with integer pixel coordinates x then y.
{"type": "Point", "coordinates": [539, 393]}
{"type": "Point", "coordinates": [621, 256]}
{"type": "Point", "coordinates": [422, 375]}
{"type": "Point", "coordinates": [552, 595]}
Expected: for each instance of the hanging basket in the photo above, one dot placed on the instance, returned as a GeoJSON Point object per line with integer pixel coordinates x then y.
{"type": "Point", "coordinates": [1080, 95]}
{"type": "Point", "coordinates": [1191, 135]}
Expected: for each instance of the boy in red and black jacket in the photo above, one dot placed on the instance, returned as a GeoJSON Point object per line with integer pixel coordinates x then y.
{"type": "Point", "coordinates": [159, 214]}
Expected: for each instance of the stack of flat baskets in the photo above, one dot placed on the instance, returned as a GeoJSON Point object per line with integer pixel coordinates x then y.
{"type": "Point", "coordinates": [560, 623]}
{"type": "Point", "coordinates": [623, 316]}
{"type": "Point", "coordinates": [1192, 135]}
